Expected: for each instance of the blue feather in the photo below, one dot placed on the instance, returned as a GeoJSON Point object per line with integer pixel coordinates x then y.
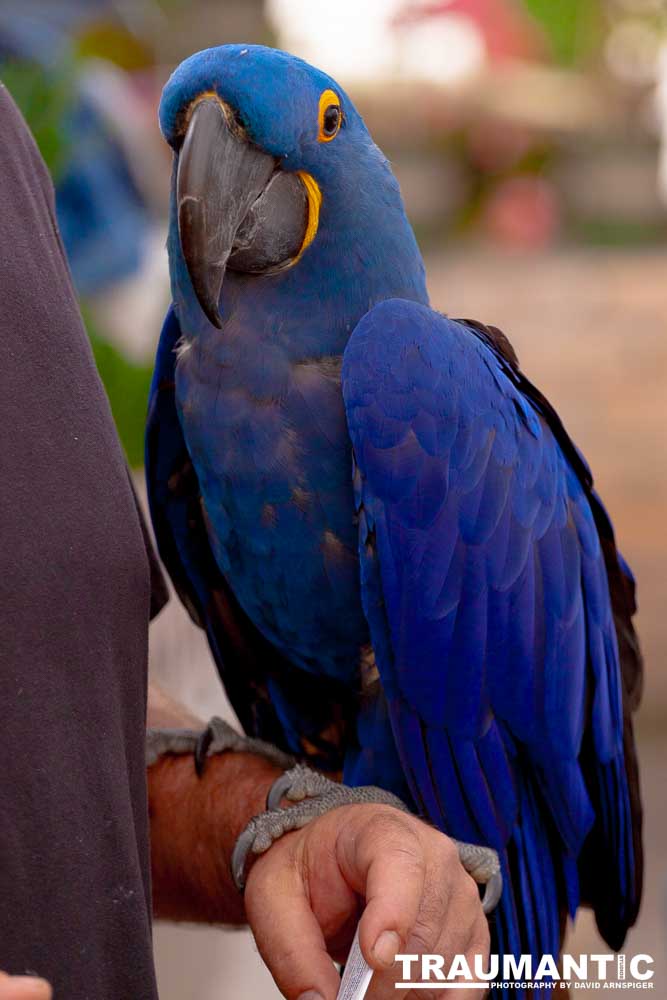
{"type": "Point", "coordinates": [511, 638]}
{"type": "Point", "coordinates": [435, 515]}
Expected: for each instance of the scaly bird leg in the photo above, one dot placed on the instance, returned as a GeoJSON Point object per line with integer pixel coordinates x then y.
{"type": "Point", "coordinates": [217, 737]}
{"type": "Point", "coordinates": [314, 795]}
{"type": "Point", "coordinates": [483, 864]}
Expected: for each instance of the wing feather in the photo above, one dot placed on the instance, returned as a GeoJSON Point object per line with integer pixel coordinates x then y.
{"type": "Point", "coordinates": [488, 575]}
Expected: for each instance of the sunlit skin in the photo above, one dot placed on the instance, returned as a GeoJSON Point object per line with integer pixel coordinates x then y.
{"type": "Point", "coordinates": [23, 988]}
{"type": "Point", "coordinates": [304, 897]}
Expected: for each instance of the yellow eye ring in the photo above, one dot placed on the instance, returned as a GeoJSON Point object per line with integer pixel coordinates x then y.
{"type": "Point", "coordinates": [330, 116]}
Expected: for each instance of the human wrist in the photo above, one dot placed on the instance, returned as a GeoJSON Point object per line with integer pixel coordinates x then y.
{"type": "Point", "coordinates": [234, 788]}
{"type": "Point", "coordinates": [195, 822]}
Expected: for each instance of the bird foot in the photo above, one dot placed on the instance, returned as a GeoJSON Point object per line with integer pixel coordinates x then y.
{"type": "Point", "coordinates": [169, 741]}
{"type": "Point", "coordinates": [483, 864]}
{"type": "Point", "coordinates": [217, 737]}
{"type": "Point", "coordinates": [314, 795]}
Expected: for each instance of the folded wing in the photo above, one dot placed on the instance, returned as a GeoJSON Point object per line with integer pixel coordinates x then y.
{"type": "Point", "coordinates": [488, 572]}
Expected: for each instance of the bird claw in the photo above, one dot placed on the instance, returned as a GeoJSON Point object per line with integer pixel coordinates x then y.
{"type": "Point", "coordinates": [320, 794]}
{"type": "Point", "coordinates": [217, 737]}
{"type": "Point", "coordinates": [202, 746]}
{"type": "Point", "coordinates": [483, 864]}
{"type": "Point", "coordinates": [300, 784]}
{"type": "Point", "coordinates": [313, 795]}
{"type": "Point", "coordinates": [169, 741]}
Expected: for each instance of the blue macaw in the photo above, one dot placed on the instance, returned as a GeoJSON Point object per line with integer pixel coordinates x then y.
{"type": "Point", "coordinates": [396, 551]}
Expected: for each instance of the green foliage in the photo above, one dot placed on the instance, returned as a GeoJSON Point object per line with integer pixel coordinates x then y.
{"type": "Point", "coordinates": [599, 232]}
{"type": "Point", "coordinates": [127, 385]}
{"type": "Point", "coordinates": [44, 98]}
{"type": "Point", "coordinates": [573, 27]}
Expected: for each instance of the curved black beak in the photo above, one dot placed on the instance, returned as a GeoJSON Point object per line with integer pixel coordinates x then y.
{"type": "Point", "coordinates": [236, 208]}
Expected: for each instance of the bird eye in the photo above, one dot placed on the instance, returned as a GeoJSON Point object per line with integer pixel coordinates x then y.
{"type": "Point", "coordinates": [331, 120]}
{"type": "Point", "coordinates": [330, 116]}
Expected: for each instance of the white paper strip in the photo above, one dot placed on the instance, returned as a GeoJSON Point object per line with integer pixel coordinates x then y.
{"type": "Point", "coordinates": [357, 975]}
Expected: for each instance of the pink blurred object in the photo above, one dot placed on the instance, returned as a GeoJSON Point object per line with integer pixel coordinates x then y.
{"type": "Point", "coordinates": [495, 146]}
{"type": "Point", "coordinates": [508, 32]}
{"type": "Point", "coordinates": [523, 213]}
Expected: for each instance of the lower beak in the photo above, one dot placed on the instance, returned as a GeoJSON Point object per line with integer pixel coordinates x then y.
{"type": "Point", "coordinates": [236, 208]}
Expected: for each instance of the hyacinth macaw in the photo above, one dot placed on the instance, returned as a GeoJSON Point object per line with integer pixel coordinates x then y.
{"type": "Point", "coordinates": [396, 551]}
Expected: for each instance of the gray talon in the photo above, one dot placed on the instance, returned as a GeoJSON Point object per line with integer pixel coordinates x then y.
{"type": "Point", "coordinates": [263, 830]}
{"type": "Point", "coordinates": [239, 855]}
{"type": "Point", "coordinates": [483, 864]}
{"type": "Point", "coordinates": [201, 749]}
{"type": "Point", "coordinates": [226, 738]}
{"type": "Point", "coordinates": [313, 795]}
{"type": "Point", "coordinates": [307, 784]}
{"type": "Point", "coordinates": [163, 741]}
{"type": "Point", "coordinates": [218, 737]}
{"type": "Point", "coordinates": [492, 893]}
{"type": "Point", "coordinates": [277, 791]}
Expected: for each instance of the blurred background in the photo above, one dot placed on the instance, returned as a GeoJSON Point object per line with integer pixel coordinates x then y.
{"type": "Point", "coordinates": [530, 141]}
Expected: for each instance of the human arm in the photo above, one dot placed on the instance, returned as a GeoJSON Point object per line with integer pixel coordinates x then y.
{"type": "Point", "coordinates": [305, 895]}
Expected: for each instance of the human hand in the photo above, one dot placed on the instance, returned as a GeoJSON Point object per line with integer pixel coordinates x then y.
{"type": "Point", "coordinates": [304, 896]}
{"type": "Point", "coordinates": [23, 988]}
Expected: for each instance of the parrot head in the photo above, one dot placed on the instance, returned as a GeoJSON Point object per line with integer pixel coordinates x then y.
{"type": "Point", "coordinates": [275, 167]}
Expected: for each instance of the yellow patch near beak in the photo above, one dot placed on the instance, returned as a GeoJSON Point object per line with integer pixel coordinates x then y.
{"type": "Point", "coordinates": [314, 196]}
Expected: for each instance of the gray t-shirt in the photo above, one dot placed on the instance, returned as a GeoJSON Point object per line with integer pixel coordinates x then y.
{"type": "Point", "coordinates": [78, 582]}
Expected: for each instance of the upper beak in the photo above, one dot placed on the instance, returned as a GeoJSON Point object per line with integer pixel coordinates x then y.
{"type": "Point", "coordinates": [235, 206]}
